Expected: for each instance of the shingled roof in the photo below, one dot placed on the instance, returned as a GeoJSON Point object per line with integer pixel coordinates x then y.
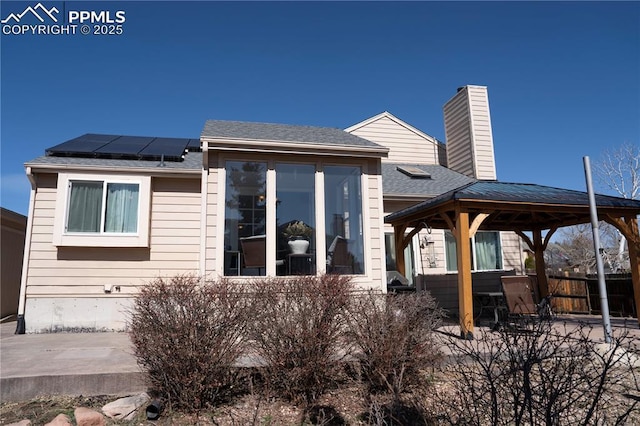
{"type": "Point", "coordinates": [442, 179]}
{"type": "Point", "coordinates": [264, 134]}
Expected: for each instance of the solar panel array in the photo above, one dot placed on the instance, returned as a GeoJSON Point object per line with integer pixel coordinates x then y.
{"type": "Point", "coordinates": [125, 147]}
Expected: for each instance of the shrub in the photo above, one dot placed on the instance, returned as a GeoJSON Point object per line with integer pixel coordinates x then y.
{"type": "Point", "coordinates": [542, 376]}
{"type": "Point", "coordinates": [187, 337]}
{"type": "Point", "coordinates": [393, 338]}
{"type": "Point", "coordinates": [297, 332]}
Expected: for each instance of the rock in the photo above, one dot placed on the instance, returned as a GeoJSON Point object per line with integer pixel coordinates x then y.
{"type": "Point", "coordinates": [60, 420]}
{"type": "Point", "coordinates": [88, 417]}
{"type": "Point", "coordinates": [125, 408]}
{"type": "Point", "coordinates": [20, 423]}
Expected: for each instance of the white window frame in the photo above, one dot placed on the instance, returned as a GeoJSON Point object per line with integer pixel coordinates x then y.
{"type": "Point", "coordinates": [101, 239]}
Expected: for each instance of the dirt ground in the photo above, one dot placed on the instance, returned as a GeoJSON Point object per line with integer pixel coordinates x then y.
{"type": "Point", "coordinates": [344, 406]}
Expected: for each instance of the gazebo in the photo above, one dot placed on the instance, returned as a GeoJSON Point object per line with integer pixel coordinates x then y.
{"type": "Point", "coordinates": [517, 207]}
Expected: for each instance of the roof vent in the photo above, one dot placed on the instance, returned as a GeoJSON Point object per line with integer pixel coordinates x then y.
{"type": "Point", "coordinates": [414, 172]}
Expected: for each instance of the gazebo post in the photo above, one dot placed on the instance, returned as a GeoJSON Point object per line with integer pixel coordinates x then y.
{"type": "Point", "coordinates": [541, 273]}
{"type": "Point", "coordinates": [634, 260]}
{"type": "Point", "coordinates": [465, 291]}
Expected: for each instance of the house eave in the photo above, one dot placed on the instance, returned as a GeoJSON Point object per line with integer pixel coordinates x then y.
{"type": "Point", "coordinates": [301, 148]}
{"type": "Point", "coordinates": [153, 171]}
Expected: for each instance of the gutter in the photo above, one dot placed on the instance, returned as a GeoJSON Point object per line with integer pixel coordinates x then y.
{"type": "Point", "coordinates": [20, 326]}
{"type": "Point", "coordinates": [153, 171]}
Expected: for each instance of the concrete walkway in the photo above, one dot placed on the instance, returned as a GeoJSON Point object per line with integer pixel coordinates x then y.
{"type": "Point", "coordinates": [103, 363]}
{"type": "Point", "coordinates": [66, 363]}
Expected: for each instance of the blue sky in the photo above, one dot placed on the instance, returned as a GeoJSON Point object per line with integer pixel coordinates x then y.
{"type": "Point", "coordinates": [563, 77]}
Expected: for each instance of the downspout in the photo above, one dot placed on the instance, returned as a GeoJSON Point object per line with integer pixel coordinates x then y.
{"type": "Point", "coordinates": [21, 325]}
{"type": "Point", "coordinates": [204, 184]}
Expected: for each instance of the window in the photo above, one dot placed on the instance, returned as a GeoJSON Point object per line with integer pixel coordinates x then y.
{"type": "Point", "coordinates": [245, 218]}
{"type": "Point", "coordinates": [295, 219]}
{"type": "Point", "coordinates": [102, 207]}
{"type": "Point", "coordinates": [390, 250]}
{"type": "Point", "coordinates": [343, 220]}
{"type": "Point", "coordinates": [102, 211]}
{"type": "Point", "coordinates": [255, 190]}
{"type": "Point", "coordinates": [486, 251]}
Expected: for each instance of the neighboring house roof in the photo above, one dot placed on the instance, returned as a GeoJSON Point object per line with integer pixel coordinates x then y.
{"type": "Point", "coordinates": [395, 183]}
{"type": "Point", "coordinates": [270, 136]}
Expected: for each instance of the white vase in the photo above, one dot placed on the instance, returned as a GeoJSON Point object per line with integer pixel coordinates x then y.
{"type": "Point", "coordinates": [298, 246]}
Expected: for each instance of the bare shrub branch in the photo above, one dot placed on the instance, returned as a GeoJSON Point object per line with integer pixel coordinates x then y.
{"type": "Point", "coordinates": [298, 331]}
{"type": "Point", "coordinates": [188, 336]}
{"type": "Point", "coordinates": [393, 338]}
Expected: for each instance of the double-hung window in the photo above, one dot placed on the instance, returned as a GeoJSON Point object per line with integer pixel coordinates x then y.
{"type": "Point", "coordinates": [102, 211]}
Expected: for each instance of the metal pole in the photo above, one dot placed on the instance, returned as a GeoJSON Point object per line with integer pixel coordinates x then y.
{"type": "Point", "coordinates": [602, 286]}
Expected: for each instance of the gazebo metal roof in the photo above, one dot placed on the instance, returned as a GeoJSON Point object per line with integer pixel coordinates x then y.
{"type": "Point", "coordinates": [514, 207]}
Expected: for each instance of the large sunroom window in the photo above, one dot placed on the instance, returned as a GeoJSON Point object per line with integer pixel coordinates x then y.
{"type": "Point", "coordinates": [295, 219]}
{"type": "Point", "coordinates": [245, 218]}
{"type": "Point", "coordinates": [486, 251]}
{"type": "Point", "coordinates": [343, 219]}
{"type": "Point", "coordinates": [272, 224]}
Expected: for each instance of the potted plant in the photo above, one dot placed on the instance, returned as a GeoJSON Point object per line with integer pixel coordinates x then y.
{"type": "Point", "coordinates": [298, 234]}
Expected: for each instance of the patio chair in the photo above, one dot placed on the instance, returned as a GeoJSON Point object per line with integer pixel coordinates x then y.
{"type": "Point", "coordinates": [519, 294]}
{"type": "Point", "coordinates": [339, 260]}
{"type": "Point", "coordinates": [254, 251]}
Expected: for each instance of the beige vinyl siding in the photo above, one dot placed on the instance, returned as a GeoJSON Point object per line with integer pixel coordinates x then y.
{"type": "Point", "coordinates": [83, 271]}
{"type": "Point", "coordinates": [468, 131]}
{"type": "Point", "coordinates": [458, 134]}
{"type": "Point", "coordinates": [405, 146]}
{"type": "Point", "coordinates": [376, 223]}
{"type": "Point", "coordinates": [482, 135]}
{"type": "Point", "coordinates": [512, 252]}
{"type": "Point", "coordinates": [212, 214]}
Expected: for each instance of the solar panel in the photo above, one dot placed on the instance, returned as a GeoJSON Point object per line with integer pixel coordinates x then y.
{"type": "Point", "coordinates": [171, 148]}
{"type": "Point", "coordinates": [85, 144]}
{"type": "Point", "coordinates": [130, 147]}
{"type": "Point", "coordinates": [194, 145]}
{"type": "Point", "coordinates": [125, 146]}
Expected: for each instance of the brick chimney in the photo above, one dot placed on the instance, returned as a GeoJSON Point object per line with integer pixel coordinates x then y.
{"type": "Point", "coordinates": [469, 140]}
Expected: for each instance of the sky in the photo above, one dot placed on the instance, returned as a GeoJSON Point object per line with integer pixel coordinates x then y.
{"type": "Point", "coordinates": [563, 77]}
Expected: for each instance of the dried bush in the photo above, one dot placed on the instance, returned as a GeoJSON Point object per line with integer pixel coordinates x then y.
{"type": "Point", "coordinates": [187, 337]}
{"type": "Point", "coordinates": [543, 375]}
{"type": "Point", "coordinates": [394, 339]}
{"type": "Point", "coordinates": [297, 332]}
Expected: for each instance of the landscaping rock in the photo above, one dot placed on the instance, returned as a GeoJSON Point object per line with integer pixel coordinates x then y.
{"type": "Point", "coordinates": [88, 417]}
{"type": "Point", "coordinates": [125, 408]}
{"type": "Point", "coordinates": [20, 423]}
{"type": "Point", "coordinates": [60, 420]}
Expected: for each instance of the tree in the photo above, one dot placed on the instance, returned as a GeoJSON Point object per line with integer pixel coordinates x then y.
{"type": "Point", "coordinates": [619, 171]}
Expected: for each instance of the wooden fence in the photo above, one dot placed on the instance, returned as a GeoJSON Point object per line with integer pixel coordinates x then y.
{"type": "Point", "coordinates": [581, 295]}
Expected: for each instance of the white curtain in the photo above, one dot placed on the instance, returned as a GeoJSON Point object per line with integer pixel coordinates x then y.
{"type": "Point", "coordinates": [488, 250]}
{"type": "Point", "coordinates": [85, 207]}
{"type": "Point", "coordinates": [122, 208]}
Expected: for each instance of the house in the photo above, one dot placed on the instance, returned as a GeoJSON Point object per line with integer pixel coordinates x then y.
{"type": "Point", "coordinates": [14, 227]}
{"type": "Point", "coordinates": [108, 213]}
